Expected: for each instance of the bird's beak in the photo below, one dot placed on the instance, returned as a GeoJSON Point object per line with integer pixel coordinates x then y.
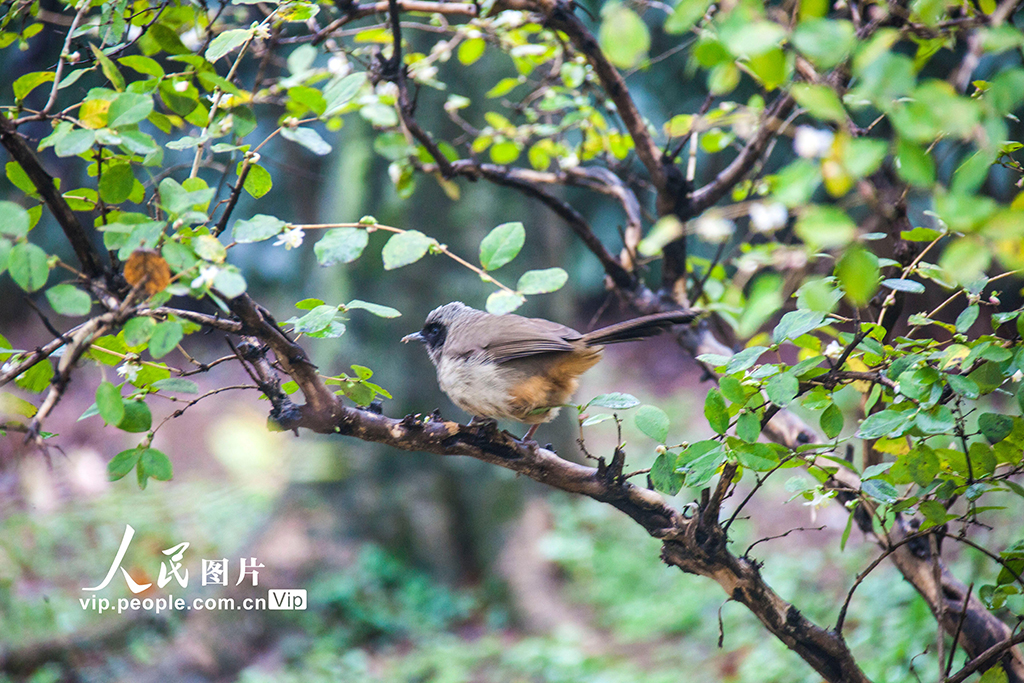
{"type": "Point", "coordinates": [415, 336]}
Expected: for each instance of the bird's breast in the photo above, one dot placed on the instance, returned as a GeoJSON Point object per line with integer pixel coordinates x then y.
{"type": "Point", "coordinates": [479, 387]}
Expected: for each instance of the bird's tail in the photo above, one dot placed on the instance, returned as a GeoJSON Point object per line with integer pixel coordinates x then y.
{"type": "Point", "coordinates": [638, 328]}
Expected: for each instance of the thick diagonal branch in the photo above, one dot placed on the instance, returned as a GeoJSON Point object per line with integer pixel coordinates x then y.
{"type": "Point", "coordinates": [76, 235]}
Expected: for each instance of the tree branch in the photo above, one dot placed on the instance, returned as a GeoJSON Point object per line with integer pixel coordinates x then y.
{"type": "Point", "coordinates": [562, 18]}
{"type": "Point", "coordinates": [76, 235]}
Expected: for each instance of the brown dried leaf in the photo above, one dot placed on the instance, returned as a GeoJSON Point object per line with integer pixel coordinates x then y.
{"type": "Point", "coordinates": [148, 267]}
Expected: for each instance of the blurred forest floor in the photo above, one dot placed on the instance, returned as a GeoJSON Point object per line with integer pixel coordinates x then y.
{"type": "Point", "coordinates": [416, 569]}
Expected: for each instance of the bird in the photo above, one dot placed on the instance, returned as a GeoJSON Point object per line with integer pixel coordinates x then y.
{"type": "Point", "coordinates": [523, 369]}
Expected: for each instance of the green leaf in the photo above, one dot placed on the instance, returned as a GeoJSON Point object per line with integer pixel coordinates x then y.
{"type": "Point", "coordinates": [36, 378]}
{"type": "Point", "coordinates": [782, 389]}
{"type": "Point", "coordinates": [256, 229]}
{"type": "Point", "coordinates": [988, 377]}
{"type": "Point", "coordinates": [29, 82]}
{"type": "Point", "coordinates": [758, 457]}
{"type": "Point", "coordinates": [615, 400]}
{"type": "Point", "coordinates": [858, 274]}
{"type": "Point", "coordinates": [716, 411]}
{"type": "Point", "coordinates": [832, 421]}
{"type": "Point", "coordinates": [914, 164]}
{"type": "Point", "coordinates": [129, 108]}
{"type": "Point", "coordinates": [230, 283]}
{"type": "Point", "coordinates": [885, 423]}
{"type": "Point", "coordinates": [178, 385]}
{"type": "Point", "coordinates": [748, 427]}
{"type": "Point", "coordinates": [964, 386]}
{"type": "Point", "coordinates": [137, 418]}
{"type": "Point", "coordinates": [686, 14]}
{"type": "Point", "coordinates": [375, 309]}
{"type": "Point", "coordinates": [338, 94]}
{"type": "Point", "coordinates": [137, 331]}
{"type": "Point", "coordinates": [995, 427]}
{"type": "Point", "coordinates": [623, 36]}
{"type": "Point", "coordinates": [69, 300]}
{"type": "Point", "coordinates": [824, 41]}
{"type": "Point", "coordinates": [920, 234]}
{"type": "Point", "coordinates": [904, 285]}
{"type": "Point", "coordinates": [502, 245]}
{"type": "Point", "coordinates": [123, 463]}
{"type": "Point", "coordinates": [653, 422]}
{"type": "Point", "coordinates": [16, 174]}
{"type": "Point", "coordinates": [109, 68]}
{"type": "Point", "coordinates": [156, 464]}
{"type": "Point", "coordinates": [257, 181]}
{"type": "Point", "coordinates": [341, 245]}
{"type": "Point", "coordinates": [796, 324]}
{"type": "Point", "coordinates": [28, 266]}
{"type": "Point", "coordinates": [502, 302]}
{"type": "Point", "coordinates": [664, 475]}
{"type": "Point", "coordinates": [744, 359]}
{"type": "Point", "coordinates": [109, 403]}
{"type": "Point", "coordinates": [74, 143]}
{"type": "Point", "coordinates": [225, 42]}
{"type": "Point", "coordinates": [14, 220]}
{"type": "Point", "coordinates": [471, 50]}
{"type": "Point", "coordinates": [308, 138]}
{"type": "Point", "coordinates": [966, 319]}
{"type": "Point", "coordinates": [880, 490]}
{"type": "Point", "coordinates": [820, 101]}
{"type": "Point", "coordinates": [144, 65]}
{"type": "Point", "coordinates": [117, 183]}
{"type": "Point", "coordinates": [404, 248]}
{"type": "Point", "coordinates": [825, 227]}
{"type": "Point", "coordinates": [505, 152]}
{"type": "Point", "coordinates": [164, 338]}
{"type": "Point", "coordinates": [542, 281]}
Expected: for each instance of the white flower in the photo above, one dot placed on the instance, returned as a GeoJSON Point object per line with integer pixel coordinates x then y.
{"type": "Point", "coordinates": [1017, 376]}
{"type": "Point", "coordinates": [395, 172]}
{"type": "Point", "coordinates": [387, 89]}
{"type": "Point", "coordinates": [338, 65]}
{"type": "Point", "coordinates": [767, 218]}
{"type": "Point", "coordinates": [181, 86]}
{"type": "Point", "coordinates": [820, 498]}
{"type": "Point", "coordinates": [833, 351]}
{"type": "Point", "coordinates": [714, 229]}
{"type": "Point", "coordinates": [206, 277]}
{"type": "Point", "coordinates": [291, 238]}
{"type": "Point", "coordinates": [191, 39]}
{"type": "Point", "coordinates": [812, 142]}
{"type": "Point", "coordinates": [130, 371]}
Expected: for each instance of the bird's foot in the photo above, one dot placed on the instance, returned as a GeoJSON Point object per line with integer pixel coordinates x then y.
{"type": "Point", "coordinates": [528, 437]}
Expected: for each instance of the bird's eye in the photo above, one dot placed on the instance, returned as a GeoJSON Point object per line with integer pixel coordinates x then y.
{"type": "Point", "coordinates": [434, 334]}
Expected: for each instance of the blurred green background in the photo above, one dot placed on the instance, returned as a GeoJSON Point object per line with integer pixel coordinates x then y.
{"type": "Point", "coordinates": [418, 568]}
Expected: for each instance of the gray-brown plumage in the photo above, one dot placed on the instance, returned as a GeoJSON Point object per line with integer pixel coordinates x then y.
{"type": "Point", "coordinates": [524, 369]}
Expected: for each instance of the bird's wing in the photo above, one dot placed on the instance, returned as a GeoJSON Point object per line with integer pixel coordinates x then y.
{"type": "Point", "coordinates": [501, 338]}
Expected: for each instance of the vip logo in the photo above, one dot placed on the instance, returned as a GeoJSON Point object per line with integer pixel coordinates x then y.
{"type": "Point", "coordinates": [291, 598]}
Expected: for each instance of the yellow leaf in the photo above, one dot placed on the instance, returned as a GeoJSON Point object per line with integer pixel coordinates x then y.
{"type": "Point", "coordinates": [93, 113]}
{"type": "Point", "coordinates": [11, 405]}
{"type": "Point", "coordinates": [857, 365]}
{"type": "Point", "coordinates": [897, 446]}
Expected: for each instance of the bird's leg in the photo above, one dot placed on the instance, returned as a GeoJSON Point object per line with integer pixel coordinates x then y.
{"type": "Point", "coordinates": [530, 432]}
